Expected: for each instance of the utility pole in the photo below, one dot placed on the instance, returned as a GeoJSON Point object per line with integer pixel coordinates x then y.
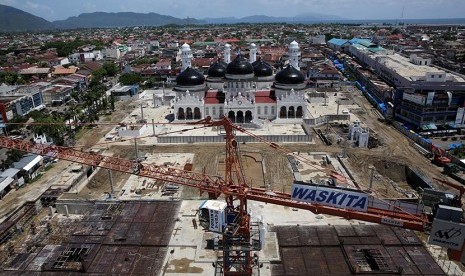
{"type": "Point", "coordinates": [142, 111]}
{"type": "Point", "coordinates": [153, 126]}
{"type": "Point", "coordinates": [136, 148]}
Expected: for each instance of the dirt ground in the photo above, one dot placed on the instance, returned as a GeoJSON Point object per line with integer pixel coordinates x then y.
{"type": "Point", "coordinates": [388, 159]}
{"type": "Point", "coordinates": [89, 137]}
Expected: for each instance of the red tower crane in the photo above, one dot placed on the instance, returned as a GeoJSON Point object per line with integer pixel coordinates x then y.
{"type": "Point", "coordinates": [237, 245]}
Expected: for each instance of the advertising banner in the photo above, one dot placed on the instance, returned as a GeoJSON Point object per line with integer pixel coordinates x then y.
{"type": "Point", "coordinates": [344, 199]}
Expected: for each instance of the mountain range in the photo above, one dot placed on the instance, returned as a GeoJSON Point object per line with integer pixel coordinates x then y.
{"type": "Point", "coordinates": [14, 20]}
{"type": "Point", "coordinates": [301, 18]}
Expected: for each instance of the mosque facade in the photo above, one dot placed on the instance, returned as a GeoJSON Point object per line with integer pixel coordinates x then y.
{"type": "Point", "coordinates": [244, 90]}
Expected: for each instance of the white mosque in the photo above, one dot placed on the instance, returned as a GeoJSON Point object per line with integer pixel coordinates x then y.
{"type": "Point", "coordinates": [243, 90]}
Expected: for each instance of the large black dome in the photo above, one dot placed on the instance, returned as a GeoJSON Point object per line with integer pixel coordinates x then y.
{"type": "Point", "coordinates": [190, 77]}
{"type": "Point", "coordinates": [262, 69]}
{"type": "Point", "coordinates": [290, 75]}
{"type": "Point", "coordinates": [255, 63]}
{"type": "Point", "coordinates": [239, 66]}
{"type": "Point", "coordinates": [217, 70]}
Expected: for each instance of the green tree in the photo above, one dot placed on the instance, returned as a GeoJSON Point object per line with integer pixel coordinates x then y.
{"type": "Point", "coordinates": [112, 102]}
{"type": "Point", "coordinates": [16, 122]}
{"type": "Point", "coordinates": [52, 126]}
{"type": "Point", "coordinates": [130, 78]}
{"type": "Point", "coordinates": [110, 68]}
{"type": "Point", "coordinates": [97, 76]}
{"type": "Point", "coordinates": [10, 78]}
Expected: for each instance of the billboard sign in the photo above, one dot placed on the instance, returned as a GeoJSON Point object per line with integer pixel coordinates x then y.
{"type": "Point", "coordinates": [459, 116]}
{"type": "Point", "coordinates": [216, 221]}
{"type": "Point", "coordinates": [447, 234]}
{"type": "Point", "coordinates": [339, 198]}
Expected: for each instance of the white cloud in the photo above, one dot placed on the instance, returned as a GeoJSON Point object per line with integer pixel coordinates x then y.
{"type": "Point", "coordinates": [8, 2]}
{"type": "Point", "coordinates": [39, 8]}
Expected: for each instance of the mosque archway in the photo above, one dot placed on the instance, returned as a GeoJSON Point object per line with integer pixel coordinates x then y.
{"type": "Point", "coordinates": [248, 116]}
{"type": "Point", "coordinates": [197, 114]}
{"type": "Point", "coordinates": [283, 112]}
{"type": "Point", "coordinates": [291, 112]}
{"type": "Point", "coordinates": [240, 117]}
{"type": "Point", "coordinates": [232, 116]}
{"type": "Point", "coordinates": [299, 113]}
{"type": "Point", "coordinates": [189, 115]}
{"type": "Point", "coordinates": [181, 115]}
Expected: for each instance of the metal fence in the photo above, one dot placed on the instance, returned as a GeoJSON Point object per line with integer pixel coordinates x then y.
{"type": "Point", "coordinates": [326, 119]}
{"type": "Point", "coordinates": [244, 139]}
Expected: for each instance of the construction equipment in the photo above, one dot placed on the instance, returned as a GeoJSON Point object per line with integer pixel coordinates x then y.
{"type": "Point", "coordinates": [438, 157]}
{"type": "Point", "coordinates": [460, 188]}
{"type": "Point", "coordinates": [234, 222]}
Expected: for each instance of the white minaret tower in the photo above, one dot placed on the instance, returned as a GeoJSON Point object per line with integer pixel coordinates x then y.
{"type": "Point", "coordinates": [253, 53]}
{"type": "Point", "coordinates": [294, 54]}
{"type": "Point", "coordinates": [186, 56]}
{"type": "Point", "coordinates": [227, 53]}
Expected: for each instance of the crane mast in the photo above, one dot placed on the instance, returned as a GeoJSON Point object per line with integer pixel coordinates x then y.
{"type": "Point", "coordinates": [238, 236]}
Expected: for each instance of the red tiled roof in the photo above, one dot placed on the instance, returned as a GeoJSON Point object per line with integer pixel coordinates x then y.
{"type": "Point", "coordinates": [202, 62]}
{"type": "Point", "coordinates": [265, 97]}
{"type": "Point", "coordinates": [214, 97]}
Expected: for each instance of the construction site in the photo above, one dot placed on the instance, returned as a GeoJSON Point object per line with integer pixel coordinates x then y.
{"type": "Point", "coordinates": [126, 200]}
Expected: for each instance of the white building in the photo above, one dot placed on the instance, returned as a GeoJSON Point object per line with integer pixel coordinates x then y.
{"type": "Point", "coordinates": [114, 53]}
{"type": "Point", "coordinates": [244, 91]}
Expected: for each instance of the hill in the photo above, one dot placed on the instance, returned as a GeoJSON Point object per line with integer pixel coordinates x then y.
{"type": "Point", "coordinates": [120, 19]}
{"type": "Point", "coordinates": [15, 20]}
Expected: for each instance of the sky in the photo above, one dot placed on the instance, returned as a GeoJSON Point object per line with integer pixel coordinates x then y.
{"type": "Point", "coordinates": [350, 9]}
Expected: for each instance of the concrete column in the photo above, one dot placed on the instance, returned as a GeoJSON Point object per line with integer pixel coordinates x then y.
{"type": "Point", "coordinates": [110, 176]}
{"type": "Point", "coordinates": [372, 168]}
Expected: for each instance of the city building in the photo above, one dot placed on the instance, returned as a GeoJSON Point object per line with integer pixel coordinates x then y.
{"type": "Point", "coordinates": [123, 92]}
{"type": "Point", "coordinates": [19, 101]}
{"type": "Point", "coordinates": [424, 96]}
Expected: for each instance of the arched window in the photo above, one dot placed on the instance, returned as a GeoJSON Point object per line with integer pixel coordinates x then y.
{"type": "Point", "coordinates": [266, 110]}
{"type": "Point", "coordinates": [213, 110]}
{"type": "Point", "coordinates": [207, 111]}
{"type": "Point", "coordinates": [259, 110]}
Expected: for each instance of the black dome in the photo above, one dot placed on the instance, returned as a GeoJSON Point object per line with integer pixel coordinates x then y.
{"type": "Point", "coordinates": [262, 69]}
{"type": "Point", "coordinates": [290, 75]}
{"type": "Point", "coordinates": [190, 77]}
{"type": "Point", "coordinates": [217, 70]}
{"type": "Point", "coordinates": [239, 66]}
{"type": "Point", "coordinates": [255, 63]}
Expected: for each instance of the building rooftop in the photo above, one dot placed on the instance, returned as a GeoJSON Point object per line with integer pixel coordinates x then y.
{"type": "Point", "coordinates": [405, 68]}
